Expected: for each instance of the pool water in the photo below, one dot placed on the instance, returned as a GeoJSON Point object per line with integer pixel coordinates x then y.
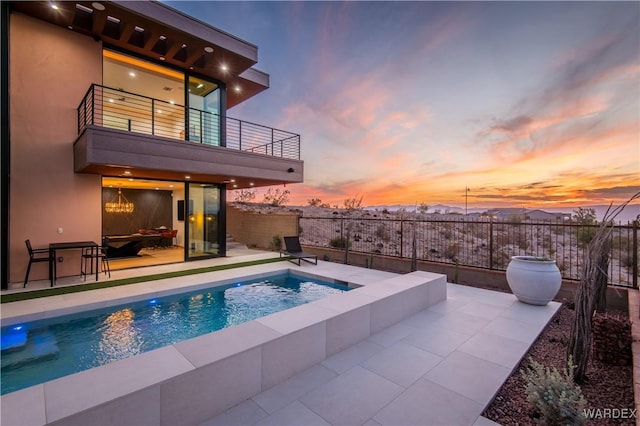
{"type": "Point", "coordinates": [44, 350]}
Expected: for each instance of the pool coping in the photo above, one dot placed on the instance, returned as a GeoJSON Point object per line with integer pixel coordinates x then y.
{"type": "Point", "coordinates": [247, 358]}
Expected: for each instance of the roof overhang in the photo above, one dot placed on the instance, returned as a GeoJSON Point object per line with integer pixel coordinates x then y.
{"type": "Point", "coordinates": [158, 32]}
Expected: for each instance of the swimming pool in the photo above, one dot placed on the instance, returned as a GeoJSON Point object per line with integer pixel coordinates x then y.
{"type": "Point", "coordinates": [39, 351]}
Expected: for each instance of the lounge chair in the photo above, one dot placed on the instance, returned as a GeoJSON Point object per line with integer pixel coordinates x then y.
{"type": "Point", "coordinates": [294, 251]}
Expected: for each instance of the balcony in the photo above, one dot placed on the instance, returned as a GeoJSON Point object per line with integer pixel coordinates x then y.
{"type": "Point", "coordinates": [151, 138]}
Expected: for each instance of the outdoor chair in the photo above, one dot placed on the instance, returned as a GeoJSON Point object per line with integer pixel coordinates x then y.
{"type": "Point", "coordinates": [294, 250]}
{"type": "Point", "coordinates": [90, 254]}
{"type": "Point", "coordinates": [38, 255]}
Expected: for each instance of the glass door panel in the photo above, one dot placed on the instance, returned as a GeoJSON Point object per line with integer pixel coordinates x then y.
{"type": "Point", "coordinates": [204, 111]}
{"type": "Point", "coordinates": [203, 214]}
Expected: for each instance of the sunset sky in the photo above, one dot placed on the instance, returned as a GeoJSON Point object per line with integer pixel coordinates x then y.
{"type": "Point", "coordinates": [532, 104]}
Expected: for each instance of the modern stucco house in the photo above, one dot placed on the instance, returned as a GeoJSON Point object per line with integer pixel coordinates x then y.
{"type": "Point", "coordinates": [101, 94]}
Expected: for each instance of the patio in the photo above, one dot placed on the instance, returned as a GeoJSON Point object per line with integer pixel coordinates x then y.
{"type": "Point", "coordinates": [441, 365]}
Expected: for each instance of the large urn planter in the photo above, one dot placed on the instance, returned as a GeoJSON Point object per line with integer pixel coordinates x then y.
{"type": "Point", "coordinates": [533, 280]}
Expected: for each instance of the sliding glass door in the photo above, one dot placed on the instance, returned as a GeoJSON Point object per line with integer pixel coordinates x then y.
{"type": "Point", "coordinates": [203, 227]}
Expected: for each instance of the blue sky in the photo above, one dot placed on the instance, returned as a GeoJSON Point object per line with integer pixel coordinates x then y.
{"type": "Point", "coordinates": [525, 103]}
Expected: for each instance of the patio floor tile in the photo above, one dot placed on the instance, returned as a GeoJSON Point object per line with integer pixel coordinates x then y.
{"type": "Point", "coordinates": [427, 403]}
{"type": "Point", "coordinates": [352, 398]}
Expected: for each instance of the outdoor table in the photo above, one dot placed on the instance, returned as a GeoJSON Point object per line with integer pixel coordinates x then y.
{"type": "Point", "coordinates": [69, 246]}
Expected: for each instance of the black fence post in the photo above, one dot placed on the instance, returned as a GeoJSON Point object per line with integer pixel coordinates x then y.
{"type": "Point", "coordinates": [491, 242]}
{"type": "Point", "coordinates": [401, 238]}
{"type": "Point", "coordinates": [635, 254]}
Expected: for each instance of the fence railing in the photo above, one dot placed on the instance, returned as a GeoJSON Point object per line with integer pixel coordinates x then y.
{"type": "Point", "coordinates": [478, 243]}
{"type": "Point", "coordinates": [118, 109]}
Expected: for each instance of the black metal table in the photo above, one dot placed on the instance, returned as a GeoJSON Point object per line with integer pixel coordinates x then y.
{"type": "Point", "coordinates": [72, 245]}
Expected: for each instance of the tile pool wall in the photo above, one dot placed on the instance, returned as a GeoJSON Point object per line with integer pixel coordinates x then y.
{"type": "Point", "coordinates": [202, 377]}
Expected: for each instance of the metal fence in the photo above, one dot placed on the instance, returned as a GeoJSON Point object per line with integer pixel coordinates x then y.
{"type": "Point", "coordinates": [481, 243]}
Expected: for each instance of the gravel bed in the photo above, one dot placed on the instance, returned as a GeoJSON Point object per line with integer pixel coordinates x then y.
{"type": "Point", "coordinates": [606, 387]}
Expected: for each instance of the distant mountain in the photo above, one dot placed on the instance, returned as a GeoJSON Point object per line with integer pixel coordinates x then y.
{"type": "Point", "coordinates": [437, 208]}
{"type": "Point", "coordinates": [630, 213]}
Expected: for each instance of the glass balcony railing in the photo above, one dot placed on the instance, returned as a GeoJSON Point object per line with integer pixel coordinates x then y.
{"type": "Point", "coordinates": [107, 107]}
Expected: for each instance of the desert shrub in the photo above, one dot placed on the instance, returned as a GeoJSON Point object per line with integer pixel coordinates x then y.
{"type": "Point", "coordinates": [585, 234]}
{"type": "Point", "coordinates": [522, 241]}
{"type": "Point", "coordinates": [452, 251]}
{"type": "Point", "coordinates": [275, 243]}
{"type": "Point", "coordinates": [553, 395]}
{"type": "Point", "coordinates": [382, 232]}
{"type": "Point", "coordinates": [245, 195]}
{"type": "Point", "coordinates": [276, 197]}
{"type": "Point", "coordinates": [339, 242]}
{"type": "Point", "coordinates": [354, 203]}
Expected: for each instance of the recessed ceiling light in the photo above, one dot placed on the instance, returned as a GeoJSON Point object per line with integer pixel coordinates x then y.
{"type": "Point", "coordinates": [171, 102]}
{"type": "Point", "coordinates": [97, 6]}
{"type": "Point", "coordinates": [224, 67]}
{"type": "Point", "coordinates": [190, 68]}
{"type": "Point", "coordinates": [159, 111]}
{"type": "Point", "coordinates": [111, 100]}
{"type": "Point", "coordinates": [251, 183]}
{"type": "Point", "coordinates": [237, 88]}
{"type": "Point", "coordinates": [55, 7]}
{"type": "Point", "coordinates": [187, 177]}
{"type": "Point", "coordinates": [200, 86]}
{"type": "Point", "coordinates": [138, 29]}
{"type": "Point", "coordinates": [132, 74]}
{"type": "Point", "coordinates": [208, 49]}
{"type": "Point", "coordinates": [232, 180]}
{"type": "Point", "coordinates": [127, 172]}
{"type": "Point", "coordinates": [113, 19]}
{"type": "Point", "coordinates": [157, 189]}
{"type": "Point", "coordinates": [235, 186]}
{"type": "Point", "coordinates": [162, 58]}
{"type": "Point", "coordinates": [170, 186]}
{"type": "Point", "coordinates": [70, 27]}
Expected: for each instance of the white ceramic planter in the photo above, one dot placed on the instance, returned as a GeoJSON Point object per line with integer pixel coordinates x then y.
{"type": "Point", "coordinates": [533, 280]}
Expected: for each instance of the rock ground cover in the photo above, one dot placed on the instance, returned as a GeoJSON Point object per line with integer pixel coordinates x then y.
{"type": "Point", "coordinates": [607, 386]}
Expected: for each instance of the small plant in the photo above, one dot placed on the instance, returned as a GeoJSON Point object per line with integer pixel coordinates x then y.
{"type": "Point", "coordinates": [338, 242]}
{"type": "Point", "coordinates": [553, 395]}
{"type": "Point", "coordinates": [276, 243]}
{"type": "Point", "coordinates": [354, 203]}
{"type": "Point", "coordinates": [382, 233]}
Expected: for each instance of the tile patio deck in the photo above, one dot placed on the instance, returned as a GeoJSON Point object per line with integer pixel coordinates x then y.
{"type": "Point", "coordinates": [441, 366]}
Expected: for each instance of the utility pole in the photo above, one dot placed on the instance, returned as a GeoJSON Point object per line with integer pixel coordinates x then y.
{"type": "Point", "coordinates": [466, 195]}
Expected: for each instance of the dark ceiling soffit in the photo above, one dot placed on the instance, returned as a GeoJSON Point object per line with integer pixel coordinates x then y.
{"type": "Point", "coordinates": [182, 49]}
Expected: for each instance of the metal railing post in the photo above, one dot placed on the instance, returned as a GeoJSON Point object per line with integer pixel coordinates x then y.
{"type": "Point", "coordinates": [490, 242]}
{"type": "Point", "coordinates": [153, 117]}
{"type": "Point", "coordinates": [93, 103]}
{"type": "Point", "coordinates": [635, 254]}
{"type": "Point", "coordinates": [401, 238]}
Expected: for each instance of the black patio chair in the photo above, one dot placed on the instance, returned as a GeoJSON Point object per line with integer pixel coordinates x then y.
{"type": "Point", "coordinates": [294, 251]}
{"type": "Point", "coordinates": [89, 254]}
{"type": "Point", "coordinates": [38, 255]}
